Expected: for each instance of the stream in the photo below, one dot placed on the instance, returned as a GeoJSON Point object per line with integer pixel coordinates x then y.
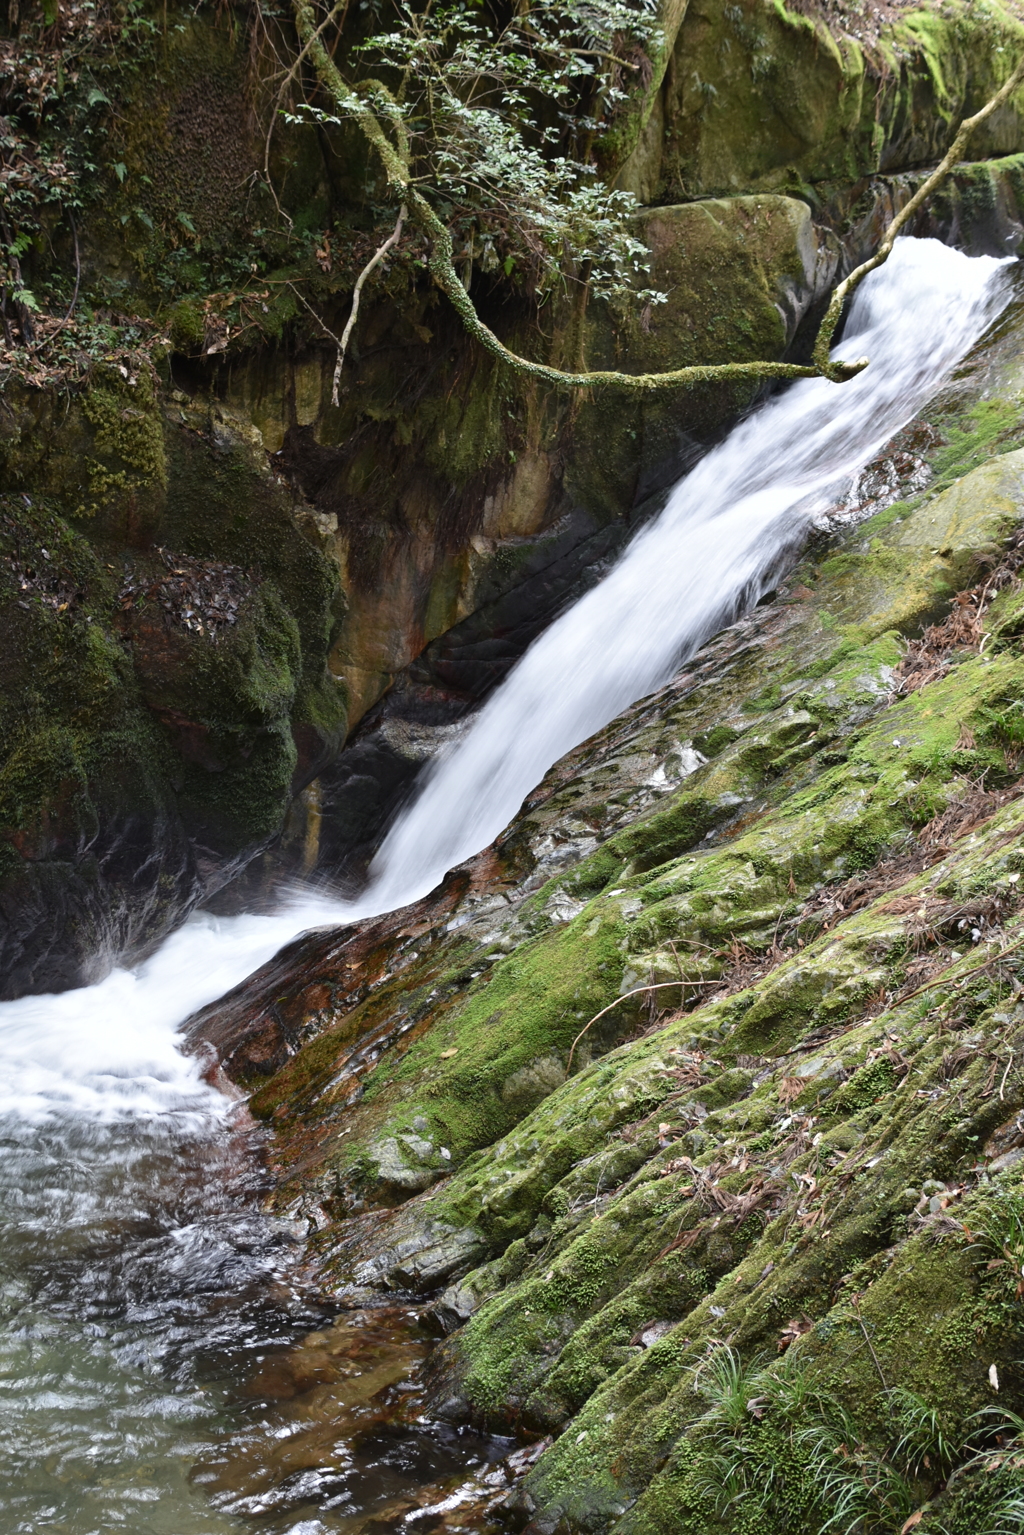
{"type": "Point", "coordinates": [166, 1365]}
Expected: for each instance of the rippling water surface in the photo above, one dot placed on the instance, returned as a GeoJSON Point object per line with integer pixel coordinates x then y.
{"type": "Point", "coordinates": [165, 1366]}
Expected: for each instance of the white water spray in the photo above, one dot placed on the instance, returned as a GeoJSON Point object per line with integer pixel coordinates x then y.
{"type": "Point", "coordinates": [109, 1050]}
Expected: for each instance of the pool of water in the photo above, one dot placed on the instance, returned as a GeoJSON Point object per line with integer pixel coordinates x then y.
{"type": "Point", "coordinates": [167, 1368]}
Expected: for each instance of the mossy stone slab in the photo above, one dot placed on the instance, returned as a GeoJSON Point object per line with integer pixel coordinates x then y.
{"type": "Point", "coordinates": [971, 515]}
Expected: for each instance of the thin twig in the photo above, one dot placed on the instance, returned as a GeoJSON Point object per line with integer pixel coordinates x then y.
{"type": "Point", "coordinates": [1006, 1073]}
{"type": "Point", "coordinates": [325, 328]}
{"type": "Point", "coordinates": [636, 992]}
{"type": "Point", "coordinates": [946, 980]}
{"type": "Point", "coordinates": [357, 293]}
{"type": "Point", "coordinates": [289, 77]}
{"type": "Point", "coordinates": [867, 1340]}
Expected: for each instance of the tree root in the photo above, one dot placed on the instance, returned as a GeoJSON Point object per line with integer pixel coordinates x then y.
{"type": "Point", "coordinates": [357, 293]}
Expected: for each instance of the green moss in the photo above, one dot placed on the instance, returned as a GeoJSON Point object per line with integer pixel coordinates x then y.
{"type": "Point", "coordinates": [989, 427]}
{"type": "Point", "coordinates": [867, 1086]}
{"type": "Point", "coordinates": [118, 725]}
{"type": "Point", "coordinates": [758, 1165]}
{"type": "Point", "coordinates": [129, 442]}
{"type": "Point", "coordinates": [772, 97]}
{"type": "Point", "coordinates": [771, 698]}
{"type": "Point", "coordinates": [187, 328]}
{"type": "Point", "coordinates": [715, 740]}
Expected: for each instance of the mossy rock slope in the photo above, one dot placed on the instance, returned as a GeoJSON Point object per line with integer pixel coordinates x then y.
{"type": "Point", "coordinates": [790, 1176]}
{"type": "Point", "coordinates": [164, 687]}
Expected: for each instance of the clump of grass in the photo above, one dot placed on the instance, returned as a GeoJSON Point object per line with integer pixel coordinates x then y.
{"type": "Point", "coordinates": [775, 1452]}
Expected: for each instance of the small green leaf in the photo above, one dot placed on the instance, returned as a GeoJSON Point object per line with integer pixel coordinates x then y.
{"type": "Point", "coordinates": [96, 95]}
{"type": "Point", "coordinates": [120, 170]}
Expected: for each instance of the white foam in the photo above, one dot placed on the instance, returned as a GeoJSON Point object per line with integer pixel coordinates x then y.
{"type": "Point", "coordinates": [111, 1049]}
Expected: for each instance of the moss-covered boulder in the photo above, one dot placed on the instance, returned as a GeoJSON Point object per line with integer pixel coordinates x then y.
{"type": "Point", "coordinates": [163, 671]}
{"type": "Point", "coordinates": [764, 95]}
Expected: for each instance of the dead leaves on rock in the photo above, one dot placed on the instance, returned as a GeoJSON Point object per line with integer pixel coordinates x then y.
{"type": "Point", "coordinates": [790, 1089]}
{"type": "Point", "coordinates": [39, 581]}
{"type": "Point", "coordinates": [203, 596]}
{"type": "Point", "coordinates": [793, 1331]}
{"type": "Point", "coordinates": [930, 657]}
{"type": "Point", "coordinates": [705, 1186]}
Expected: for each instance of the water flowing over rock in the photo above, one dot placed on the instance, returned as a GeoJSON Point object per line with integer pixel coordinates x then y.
{"type": "Point", "coordinates": [510, 922]}
{"type": "Point", "coordinates": [768, 860]}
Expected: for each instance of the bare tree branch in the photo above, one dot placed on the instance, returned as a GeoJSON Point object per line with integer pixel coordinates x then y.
{"type": "Point", "coordinates": [357, 293]}
{"type": "Point", "coordinates": [289, 75]}
{"type": "Point", "coordinates": [953, 155]}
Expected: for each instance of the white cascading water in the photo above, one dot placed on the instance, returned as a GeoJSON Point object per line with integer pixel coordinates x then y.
{"type": "Point", "coordinates": [109, 1048]}
{"type": "Point", "coordinates": [95, 1098]}
{"type": "Point", "coordinates": [707, 554]}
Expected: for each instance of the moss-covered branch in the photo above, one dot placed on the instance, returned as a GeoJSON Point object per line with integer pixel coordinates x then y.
{"type": "Point", "coordinates": [357, 101]}
{"type": "Point", "coordinates": [952, 157]}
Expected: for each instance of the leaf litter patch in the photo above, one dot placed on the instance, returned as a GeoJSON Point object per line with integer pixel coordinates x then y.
{"type": "Point", "coordinates": [203, 596]}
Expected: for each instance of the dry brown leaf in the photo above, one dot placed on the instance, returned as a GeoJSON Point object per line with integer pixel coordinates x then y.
{"type": "Point", "coordinates": [792, 1331]}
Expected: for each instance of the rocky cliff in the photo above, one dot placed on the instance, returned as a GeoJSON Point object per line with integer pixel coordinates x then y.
{"type": "Point", "coordinates": [688, 1115]}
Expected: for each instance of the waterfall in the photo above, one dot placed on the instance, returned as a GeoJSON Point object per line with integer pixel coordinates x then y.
{"type": "Point", "coordinates": [108, 1050]}
{"type": "Point", "coordinates": [708, 555]}
{"type": "Point", "coordinates": [137, 1278]}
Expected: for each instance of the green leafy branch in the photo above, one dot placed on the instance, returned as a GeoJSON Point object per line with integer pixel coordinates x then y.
{"type": "Point", "coordinates": [489, 152]}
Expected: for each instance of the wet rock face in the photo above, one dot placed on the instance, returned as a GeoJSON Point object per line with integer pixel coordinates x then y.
{"type": "Point", "coordinates": [399, 553]}
{"type": "Point", "coordinates": [530, 561]}
{"type": "Point", "coordinates": [238, 667]}
{"type": "Point", "coordinates": [92, 880]}
{"type": "Point", "coordinates": [519, 584]}
{"type": "Point", "coordinates": [757, 95]}
{"type": "Point", "coordinates": [158, 701]}
{"type": "Point", "coordinates": [431, 701]}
